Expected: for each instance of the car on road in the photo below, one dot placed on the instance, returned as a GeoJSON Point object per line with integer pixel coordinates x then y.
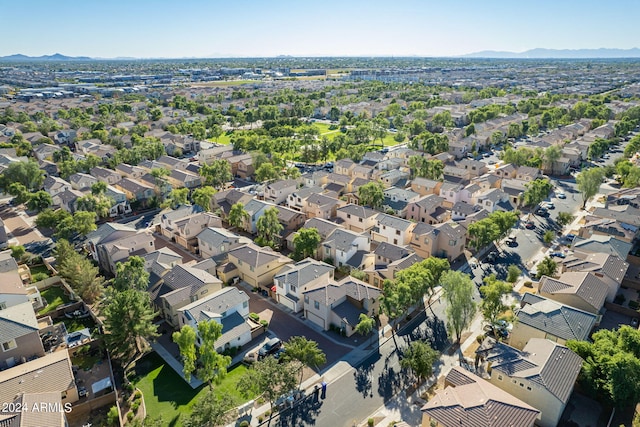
{"type": "Point", "coordinates": [542, 211]}
{"type": "Point", "coordinates": [558, 254]}
{"type": "Point", "coordinates": [561, 195]}
{"type": "Point", "coordinates": [511, 241]}
{"type": "Point", "coordinates": [495, 332]}
{"type": "Point", "coordinates": [549, 205]}
{"type": "Point", "coordinates": [270, 347]}
{"type": "Point", "coordinates": [491, 257]}
{"type": "Point", "coordinates": [530, 225]}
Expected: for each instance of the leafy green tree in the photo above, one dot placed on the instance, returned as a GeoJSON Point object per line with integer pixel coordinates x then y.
{"type": "Point", "coordinates": [186, 340]}
{"type": "Point", "coordinates": [304, 351]}
{"type": "Point", "coordinates": [371, 194]}
{"type": "Point", "coordinates": [128, 322]}
{"type": "Point", "coordinates": [131, 275]}
{"type": "Point", "coordinates": [210, 410]}
{"type": "Point", "coordinates": [28, 174]}
{"type": "Point", "coordinates": [63, 251]}
{"type": "Point", "coordinates": [306, 243]}
{"type": "Point", "coordinates": [269, 228]}
{"type": "Point", "coordinates": [213, 366]}
{"type": "Point", "coordinates": [84, 222]}
{"type": "Point", "coordinates": [420, 359]}
{"type": "Point", "coordinates": [365, 325]}
{"type": "Point", "coordinates": [20, 192]}
{"type": "Point", "coordinates": [547, 267]}
{"type": "Point", "coordinates": [564, 218]}
{"type": "Point", "coordinates": [551, 155]}
{"type": "Point", "coordinates": [269, 378]}
{"type": "Point", "coordinates": [98, 188]}
{"type": "Point", "coordinates": [17, 252]}
{"type": "Point", "coordinates": [548, 236]}
{"type": "Point", "coordinates": [267, 172]}
{"type": "Point", "coordinates": [82, 276]}
{"type": "Point", "coordinates": [588, 183]}
{"type": "Point", "coordinates": [100, 204]}
{"type": "Point", "coordinates": [611, 368]}
{"type": "Point", "coordinates": [39, 201]}
{"type": "Point", "coordinates": [49, 218]}
{"type": "Point", "coordinates": [202, 197]}
{"type": "Point", "coordinates": [238, 216]}
{"type": "Point", "coordinates": [513, 273]}
{"type": "Point", "coordinates": [458, 292]}
{"type": "Point", "coordinates": [493, 292]}
{"type": "Point", "coordinates": [537, 190]}
{"type": "Point", "coordinates": [482, 232]}
{"type": "Point", "coordinates": [217, 173]}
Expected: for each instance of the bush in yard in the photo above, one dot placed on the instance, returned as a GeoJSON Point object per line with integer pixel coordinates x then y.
{"type": "Point", "coordinates": [38, 277]}
{"type": "Point", "coordinates": [135, 407]}
{"type": "Point", "coordinates": [264, 323]}
{"type": "Point", "coordinates": [138, 394]}
{"type": "Point", "coordinates": [528, 284]}
{"type": "Point", "coordinates": [112, 416]}
{"type": "Point", "coordinates": [245, 423]}
{"type": "Point", "coordinates": [370, 422]}
{"type": "Point", "coordinates": [130, 416]}
{"type": "Point", "coordinates": [254, 317]}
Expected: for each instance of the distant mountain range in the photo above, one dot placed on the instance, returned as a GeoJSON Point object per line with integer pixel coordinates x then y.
{"type": "Point", "coordinates": [54, 57]}
{"type": "Point", "coordinates": [541, 53]}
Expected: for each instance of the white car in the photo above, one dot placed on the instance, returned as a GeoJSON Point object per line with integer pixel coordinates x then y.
{"type": "Point", "coordinates": [561, 195]}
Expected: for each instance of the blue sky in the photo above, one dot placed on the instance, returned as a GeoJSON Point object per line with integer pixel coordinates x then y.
{"type": "Point", "coordinates": [199, 28]}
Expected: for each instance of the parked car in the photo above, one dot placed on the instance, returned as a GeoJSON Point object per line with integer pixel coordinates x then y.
{"type": "Point", "coordinates": [549, 205]}
{"type": "Point", "coordinates": [558, 254]}
{"type": "Point", "coordinates": [530, 225]}
{"type": "Point", "coordinates": [542, 211]}
{"type": "Point", "coordinates": [495, 332]}
{"type": "Point", "coordinates": [269, 348]}
{"type": "Point", "coordinates": [561, 195]}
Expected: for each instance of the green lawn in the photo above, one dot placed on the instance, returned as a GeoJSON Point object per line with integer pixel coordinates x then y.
{"type": "Point", "coordinates": [73, 325]}
{"type": "Point", "coordinates": [224, 139]}
{"type": "Point", "coordinates": [39, 269]}
{"type": "Point", "coordinates": [168, 395]}
{"type": "Point", "coordinates": [55, 296]}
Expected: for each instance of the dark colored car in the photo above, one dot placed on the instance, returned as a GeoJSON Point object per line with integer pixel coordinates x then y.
{"type": "Point", "coordinates": [557, 254]}
{"type": "Point", "coordinates": [270, 347]}
{"type": "Point", "coordinates": [530, 225]}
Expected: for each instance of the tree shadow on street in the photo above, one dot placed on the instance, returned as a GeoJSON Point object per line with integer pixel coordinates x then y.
{"type": "Point", "coordinates": [390, 383]}
{"type": "Point", "coordinates": [303, 413]}
{"type": "Point", "coordinates": [363, 379]}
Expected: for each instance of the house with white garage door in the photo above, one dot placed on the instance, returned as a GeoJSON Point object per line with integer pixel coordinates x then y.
{"type": "Point", "coordinates": [294, 279]}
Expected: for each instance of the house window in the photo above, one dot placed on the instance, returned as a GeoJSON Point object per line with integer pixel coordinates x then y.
{"type": "Point", "coordinates": [426, 241]}
{"type": "Point", "coordinates": [528, 388]}
{"type": "Point", "coordinates": [348, 215]}
{"type": "Point", "coordinates": [452, 242]}
{"type": "Point", "coordinates": [395, 241]}
{"type": "Point", "coordinates": [359, 219]}
{"type": "Point", "coordinates": [499, 377]}
{"type": "Point", "coordinates": [221, 248]}
{"type": "Point", "coordinates": [293, 288]}
{"type": "Point", "coordinates": [3, 305]}
{"type": "Point", "coordinates": [9, 345]}
{"type": "Point", "coordinates": [397, 232]}
{"type": "Point", "coordinates": [316, 305]}
{"type": "Point", "coordinates": [151, 244]}
{"type": "Point", "coordinates": [204, 291]}
{"type": "Point", "coordinates": [280, 285]}
{"type": "Point", "coordinates": [306, 299]}
{"type": "Point", "coordinates": [251, 267]}
{"type": "Point", "coordinates": [245, 304]}
{"type": "Point", "coordinates": [384, 227]}
{"type": "Point", "coordinates": [521, 385]}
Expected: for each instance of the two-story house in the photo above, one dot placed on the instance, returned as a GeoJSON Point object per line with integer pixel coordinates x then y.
{"type": "Point", "coordinates": [215, 242]}
{"type": "Point", "coordinates": [185, 230]}
{"type": "Point", "coordinates": [540, 317]}
{"type": "Point", "coordinates": [254, 265]}
{"type": "Point", "coordinates": [392, 230]}
{"type": "Point", "coordinates": [55, 185]}
{"type": "Point", "coordinates": [583, 290]}
{"type": "Point", "coordinates": [294, 279]}
{"type": "Point", "coordinates": [341, 245]}
{"type": "Point", "coordinates": [277, 192]}
{"type": "Point", "coordinates": [356, 218]}
{"type": "Point", "coordinates": [82, 181]}
{"type": "Point", "coordinates": [19, 339]}
{"type": "Point", "coordinates": [229, 307]}
{"type": "Point", "coordinates": [428, 209]}
{"type": "Point", "coordinates": [113, 242]}
{"type": "Point", "coordinates": [136, 190]}
{"type": "Point", "coordinates": [340, 304]}
{"type": "Point", "coordinates": [543, 374]}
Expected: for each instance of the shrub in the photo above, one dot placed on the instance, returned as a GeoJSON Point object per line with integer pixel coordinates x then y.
{"type": "Point", "coordinates": [634, 304]}
{"type": "Point", "coordinates": [268, 413]}
{"type": "Point", "coordinates": [254, 317]}
{"type": "Point", "coordinates": [138, 394]}
{"type": "Point", "coordinates": [130, 386]}
{"type": "Point", "coordinates": [513, 273]}
{"type": "Point", "coordinates": [112, 416]}
{"type": "Point", "coordinates": [370, 422]}
{"type": "Point", "coordinates": [245, 423]}
{"type": "Point", "coordinates": [264, 323]}
{"type": "Point", "coordinates": [38, 277]}
{"type": "Point", "coordinates": [528, 284]}
{"type": "Point", "coordinates": [130, 416]}
{"type": "Point", "coordinates": [480, 338]}
{"type": "Point", "coordinates": [260, 418]}
{"type": "Point", "coordinates": [135, 406]}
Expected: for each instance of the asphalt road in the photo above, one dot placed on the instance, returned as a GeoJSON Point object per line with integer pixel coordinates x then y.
{"type": "Point", "coordinates": [363, 389]}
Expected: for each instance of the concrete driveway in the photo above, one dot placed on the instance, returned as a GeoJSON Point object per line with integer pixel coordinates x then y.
{"type": "Point", "coordinates": [19, 227]}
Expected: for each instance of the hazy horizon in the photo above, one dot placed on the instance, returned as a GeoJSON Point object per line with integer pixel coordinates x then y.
{"type": "Point", "coordinates": [244, 29]}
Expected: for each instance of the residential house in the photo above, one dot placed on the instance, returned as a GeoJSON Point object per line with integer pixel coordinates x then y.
{"type": "Point", "coordinates": [113, 242]}
{"type": "Point", "coordinates": [340, 304]}
{"type": "Point", "coordinates": [290, 220]}
{"type": "Point", "coordinates": [392, 230]}
{"type": "Point", "coordinates": [428, 209]}
{"type": "Point", "coordinates": [184, 229]}
{"type": "Point", "coordinates": [82, 181]}
{"type": "Point", "coordinates": [224, 200]}
{"type": "Point", "coordinates": [469, 401]}
{"type": "Point", "coordinates": [67, 200]}
{"type": "Point", "coordinates": [424, 186]}
{"type": "Point", "coordinates": [181, 286]}
{"type": "Point", "coordinates": [594, 225]}
{"type": "Point", "coordinates": [515, 189]}
{"type": "Point", "coordinates": [356, 218]}
{"type": "Point", "coordinates": [494, 200]}
{"type": "Point", "coordinates": [542, 374]}
{"type": "Point", "coordinates": [12, 290]}
{"type": "Point", "coordinates": [19, 340]}
{"type": "Point", "coordinates": [45, 151]}
{"type": "Point", "coordinates": [341, 245]}
{"type": "Point", "coordinates": [120, 204]}
{"type": "Point", "coordinates": [451, 193]}
{"type": "Point", "coordinates": [254, 265]}
{"type": "Point", "coordinates": [215, 242]}
{"type": "Point", "coordinates": [540, 317]}
{"type": "Point", "coordinates": [297, 199]}
{"type": "Point", "coordinates": [136, 190]}
{"type": "Point", "coordinates": [54, 185]}
{"type": "Point", "coordinates": [277, 192]}
{"type": "Point", "coordinates": [344, 167]}
{"type": "Point", "coordinates": [444, 240]}
{"type": "Point", "coordinates": [528, 173]}
{"type": "Point", "coordinates": [49, 373]}
{"type": "Point", "coordinates": [397, 200]}
{"type": "Point", "coordinates": [601, 243]}
{"type": "Point", "coordinates": [294, 279]}
{"type": "Point", "coordinates": [321, 206]}
{"type": "Point", "coordinates": [255, 208]}
{"type": "Point", "coordinates": [128, 171]}
{"type": "Point", "coordinates": [582, 290]}
{"type": "Point", "coordinates": [378, 271]}
{"type": "Point", "coordinates": [105, 175]}
{"type": "Point", "coordinates": [611, 269]}
{"type": "Point", "coordinates": [183, 179]}
{"type": "Point", "coordinates": [461, 210]}
{"type": "Point", "coordinates": [324, 227]}
{"type": "Point", "coordinates": [54, 416]}
{"type": "Point", "coordinates": [230, 308]}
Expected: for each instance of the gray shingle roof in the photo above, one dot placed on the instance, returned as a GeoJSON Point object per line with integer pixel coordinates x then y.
{"type": "Point", "coordinates": [552, 366]}
{"type": "Point", "coordinates": [303, 272]}
{"type": "Point", "coordinates": [341, 239]}
{"type": "Point", "coordinates": [584, 285]}
{"type": "Point", "coordinates": [254, 255]}
{"type": "Point", "coordinates": [557, 319]}
{"type": "Point", "coordinates": [348, 286]}
{"type": "Point", "coordinates": [393, 222]}
{"type": "Point", "coordinates": [324, 227]}
{"type": "Point", "coordinates": [17, 321]}
{"type": "Point", "coordinates": [391, 252]}
{"type": "Point", "coordinates": [357, 211]}
{"type": "Point", "coordinates": [214, 305]}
